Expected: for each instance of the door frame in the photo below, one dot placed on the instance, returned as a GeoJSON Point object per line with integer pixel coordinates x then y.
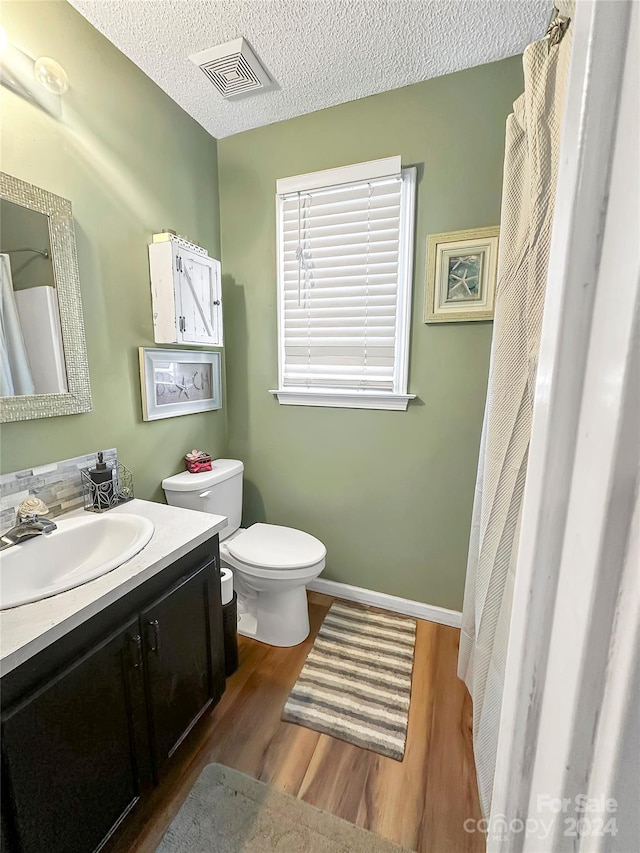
{"type": "Point", "coordinates": [575, 606]}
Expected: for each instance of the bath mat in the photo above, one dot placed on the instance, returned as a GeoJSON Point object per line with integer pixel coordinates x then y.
{"type": "Point", "coordinates": [356, 682]}
{"type": "Point", "coordinates": [228, 812]}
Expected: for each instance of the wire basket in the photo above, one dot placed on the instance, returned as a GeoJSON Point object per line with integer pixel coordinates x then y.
{"type": "Point", "coordinates": [100, 497]}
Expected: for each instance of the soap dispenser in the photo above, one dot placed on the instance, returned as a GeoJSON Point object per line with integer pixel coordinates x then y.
{"type": "Point", "coordinates": [102, 479]}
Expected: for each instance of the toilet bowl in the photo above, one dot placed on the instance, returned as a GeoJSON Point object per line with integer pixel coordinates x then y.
{"type": "Point", "coordinates": [271, 564]}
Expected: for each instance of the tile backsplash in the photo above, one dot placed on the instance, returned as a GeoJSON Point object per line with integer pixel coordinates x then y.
{"type": "Point", "coordinates": [57, 484]}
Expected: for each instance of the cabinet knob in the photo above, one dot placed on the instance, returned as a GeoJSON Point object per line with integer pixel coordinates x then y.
{"type": "Point", "coordinates": [216, 302]}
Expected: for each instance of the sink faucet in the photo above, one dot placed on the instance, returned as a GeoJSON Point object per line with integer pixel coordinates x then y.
{"type": "Point", "coordinates": [29, 523]}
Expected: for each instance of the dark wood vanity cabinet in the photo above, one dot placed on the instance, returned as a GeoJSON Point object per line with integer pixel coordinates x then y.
{"type": "Point", "coordinates": [91, 723]}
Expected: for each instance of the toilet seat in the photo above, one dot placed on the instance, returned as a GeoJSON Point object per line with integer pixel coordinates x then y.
{"type": "Point", "coordinates": [269, 550]}
{"type": "Point", "coordinates": [270, 546]}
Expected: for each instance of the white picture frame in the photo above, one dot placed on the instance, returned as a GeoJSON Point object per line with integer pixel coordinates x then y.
{"type": "Point", "coordinates": [461, 275]}
{"type": "Point", "coordinates": [179, 382]}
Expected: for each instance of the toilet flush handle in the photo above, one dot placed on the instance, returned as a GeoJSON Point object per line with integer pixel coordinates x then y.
{"type": "Point", "coordinates": [205, 494]}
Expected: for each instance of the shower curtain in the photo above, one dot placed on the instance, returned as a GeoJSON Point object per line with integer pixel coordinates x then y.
{"type": "Point", "coordinates": [529, 181]}
{"type": "Point", "coordinates": [15, 373]}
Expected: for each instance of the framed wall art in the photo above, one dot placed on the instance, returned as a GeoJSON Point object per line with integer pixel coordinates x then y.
{"type": "Point", "coordinates": [461, 275]}
{"type": "Point", "coordinates": [179, 382]}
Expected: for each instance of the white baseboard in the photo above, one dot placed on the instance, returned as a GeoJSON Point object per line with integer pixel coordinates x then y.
{"type": "Point", "coordinates": [406, 606]}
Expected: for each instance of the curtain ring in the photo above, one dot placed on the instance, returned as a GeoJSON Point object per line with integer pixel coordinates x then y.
{"type": "Point", "coordinates": [557, 28]}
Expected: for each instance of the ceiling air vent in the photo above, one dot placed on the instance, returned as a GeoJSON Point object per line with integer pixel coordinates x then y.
{"type": "Point", "coordinates": [233, 68]}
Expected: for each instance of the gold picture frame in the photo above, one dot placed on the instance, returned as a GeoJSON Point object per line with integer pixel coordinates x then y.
{"type": "Point", "coordinates": [461, 275]}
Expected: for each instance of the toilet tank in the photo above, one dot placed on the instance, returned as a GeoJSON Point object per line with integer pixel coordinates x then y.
{"type": "Point", "coordinates": [218, 491]}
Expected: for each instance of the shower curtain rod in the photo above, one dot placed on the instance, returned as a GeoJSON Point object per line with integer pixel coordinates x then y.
{"type": "Point", "coordinates": [35, 251]}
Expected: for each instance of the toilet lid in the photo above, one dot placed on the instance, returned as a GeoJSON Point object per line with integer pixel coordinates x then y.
{"type": "Point", "coordinates": [275, 547]}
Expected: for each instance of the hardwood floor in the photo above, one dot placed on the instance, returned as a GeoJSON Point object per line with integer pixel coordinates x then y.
{"type": "Point", "coordinates": [421, 802]}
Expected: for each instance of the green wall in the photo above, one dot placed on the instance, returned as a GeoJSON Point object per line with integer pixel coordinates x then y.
{"type": "Point", "coordinates": [131, 162]}
{"type": "Point", "coordinates": [390, 493]}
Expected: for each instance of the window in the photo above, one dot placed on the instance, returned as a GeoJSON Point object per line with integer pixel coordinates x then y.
{"type": "Point", "coordinates": [345, 248]}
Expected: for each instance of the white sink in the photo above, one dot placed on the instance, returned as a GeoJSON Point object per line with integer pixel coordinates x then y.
{"type": "Point", "coordinates": [81, 549]}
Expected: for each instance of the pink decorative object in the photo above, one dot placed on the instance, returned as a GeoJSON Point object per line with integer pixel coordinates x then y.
{"type": "Point", "coordinates": [197, 461]}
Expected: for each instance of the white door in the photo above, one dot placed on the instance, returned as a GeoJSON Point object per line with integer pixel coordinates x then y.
{"type": "Point", "coordinates": [199, 299]}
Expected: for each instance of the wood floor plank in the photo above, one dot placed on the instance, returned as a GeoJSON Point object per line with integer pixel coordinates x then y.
{"type": "Point", "coordinates": [450, 791]}
{"type": "Point", "coordinates": [420, 803]}
{"type": "Point", "coordinates": [399, 786]}
{"type": "Point", "coordinates": [337, 777]}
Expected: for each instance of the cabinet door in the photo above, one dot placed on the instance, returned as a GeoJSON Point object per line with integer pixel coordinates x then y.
{"type": "Point", "coordinates": [71, 750]}
{"type": "Point", "coordinates": [184, 659]}
{"type": "Point", "coordinates": [165, 287]}
{"type": "Point", "coordinates": [200, 299]}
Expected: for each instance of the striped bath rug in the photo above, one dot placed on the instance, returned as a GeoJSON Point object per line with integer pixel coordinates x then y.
{"type": "Point", "coordinates": [356, 682]}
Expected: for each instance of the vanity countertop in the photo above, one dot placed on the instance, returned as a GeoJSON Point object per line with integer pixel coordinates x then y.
{"type": "Point", "coordinates": [28, 629]}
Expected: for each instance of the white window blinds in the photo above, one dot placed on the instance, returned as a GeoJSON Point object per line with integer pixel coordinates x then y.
{"type": "Point", "coordinates": [345, 284]}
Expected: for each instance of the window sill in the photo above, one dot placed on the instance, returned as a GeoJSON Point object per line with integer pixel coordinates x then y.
{"type": "Point", "coordinates": [344, 400]}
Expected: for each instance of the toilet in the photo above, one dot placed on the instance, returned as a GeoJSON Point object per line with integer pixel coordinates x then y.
{"type": "Point", "coordinates": [271, 564]}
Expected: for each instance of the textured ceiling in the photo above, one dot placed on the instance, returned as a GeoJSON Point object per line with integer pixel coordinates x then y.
{"type": "Point", "coordinates": [320, 52]}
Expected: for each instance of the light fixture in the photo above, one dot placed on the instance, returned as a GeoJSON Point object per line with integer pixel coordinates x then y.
{"type": "Point", "coordinates": [51, 75]}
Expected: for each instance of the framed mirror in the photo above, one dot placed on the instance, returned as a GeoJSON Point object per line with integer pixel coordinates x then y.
{"type": "Point", "coordinates": [44, 370]}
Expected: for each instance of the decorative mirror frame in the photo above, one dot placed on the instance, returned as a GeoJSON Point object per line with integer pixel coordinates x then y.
{"type": "Point", "coordinates": [65, 271]}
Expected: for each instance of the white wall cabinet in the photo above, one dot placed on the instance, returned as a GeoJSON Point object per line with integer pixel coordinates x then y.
{"type": "Point", "coordinates": [186, 293]}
